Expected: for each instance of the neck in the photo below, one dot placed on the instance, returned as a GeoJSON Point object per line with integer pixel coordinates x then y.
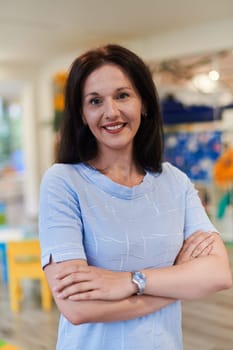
{"type": "Point", "coordinates": [122, 170]}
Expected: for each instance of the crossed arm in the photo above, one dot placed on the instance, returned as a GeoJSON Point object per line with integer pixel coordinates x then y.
{"type": "Point", "coordinates": [89, 294]}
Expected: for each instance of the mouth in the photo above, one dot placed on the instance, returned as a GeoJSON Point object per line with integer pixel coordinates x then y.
{"type": "Point", "coordinates": [114, 127]}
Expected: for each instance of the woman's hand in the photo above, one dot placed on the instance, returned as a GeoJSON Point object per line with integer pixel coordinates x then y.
{"type": "Point", "coordinates": [199, 244]}
{"type": "Point", "coordinates": [91, 283]}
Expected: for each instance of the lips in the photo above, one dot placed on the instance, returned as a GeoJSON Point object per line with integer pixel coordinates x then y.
{"type": "Point", "coordinates": [114, 128]}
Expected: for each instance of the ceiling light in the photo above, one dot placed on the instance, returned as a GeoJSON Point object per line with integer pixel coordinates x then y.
{"type": "Point", "coordinates": [204, 84]}
{"type": "Point", "coordinates": [214, 75]}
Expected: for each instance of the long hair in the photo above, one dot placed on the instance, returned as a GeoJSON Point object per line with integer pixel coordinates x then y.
{"type": "Point", "coordinates": [77, 143]}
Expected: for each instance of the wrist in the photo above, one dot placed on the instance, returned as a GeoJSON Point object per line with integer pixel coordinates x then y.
{"type": "Point", "coordinates": [139, 282]}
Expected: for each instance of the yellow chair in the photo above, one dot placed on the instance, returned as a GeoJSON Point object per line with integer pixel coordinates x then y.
{"type": "Point", "coordinates": [24, 263]}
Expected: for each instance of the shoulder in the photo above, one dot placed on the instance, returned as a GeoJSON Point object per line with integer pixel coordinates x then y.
{"type": "Point", "coordinates": [60, 174]}
{"type": "Point", "coordinates": [56, 171]}
{"type": "Point", "coordinates": [171, 172]}
{"type": "Point", "coordinates": [62, 170]}
{"type": "Point", "coordinates": [172, 179]}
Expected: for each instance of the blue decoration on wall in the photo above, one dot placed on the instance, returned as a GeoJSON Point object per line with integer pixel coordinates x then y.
{"type": "Point", "coordinates": [174, 112]}
{"type": "Point", "coordinates": [193, 152]}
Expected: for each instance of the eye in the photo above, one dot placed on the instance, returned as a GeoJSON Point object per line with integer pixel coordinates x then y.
{"type": "Point", "coordinates": [123, 95]}
{"type": "Point", "coordinates": [95, 101]}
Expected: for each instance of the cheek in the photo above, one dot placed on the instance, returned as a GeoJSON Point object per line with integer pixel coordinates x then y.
{"type": "Point", "coordinates": [136, 111]}
{"type": "Point", "coordinates": [90, 119]}
{"type": "Point", "coordinates": [93, 125]}
{"type": "Point", "coordinates": [136, 116]}
{"type": "Point", "coordinates": [131, 110]}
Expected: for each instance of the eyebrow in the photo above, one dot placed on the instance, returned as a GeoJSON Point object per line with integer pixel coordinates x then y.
{"type": "Point", "coordinates": [97, 94]}
{"type": "Point", "coordinates": [91, 94]}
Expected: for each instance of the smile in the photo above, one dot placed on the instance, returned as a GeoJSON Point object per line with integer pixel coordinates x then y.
{"type": "Point", "coordinates": [114, 127]}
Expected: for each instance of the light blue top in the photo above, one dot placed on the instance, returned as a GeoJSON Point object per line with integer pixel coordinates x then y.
{"type": "Point", "coordinates": [85, 215]}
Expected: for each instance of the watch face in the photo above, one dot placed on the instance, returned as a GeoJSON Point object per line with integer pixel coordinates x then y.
{"type": "Point", "coordinates": [140, 280]}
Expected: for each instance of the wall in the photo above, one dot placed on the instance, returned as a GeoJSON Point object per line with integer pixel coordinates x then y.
{"type": "Point", "coordinates": [24, 84]}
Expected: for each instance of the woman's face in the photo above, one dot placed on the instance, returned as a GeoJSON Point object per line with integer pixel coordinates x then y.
{"type": "Point", "coordinates": [112, 108]}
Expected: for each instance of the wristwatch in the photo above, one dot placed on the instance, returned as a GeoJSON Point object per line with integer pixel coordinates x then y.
{"type": "Point", "coordinates": [139, 279]}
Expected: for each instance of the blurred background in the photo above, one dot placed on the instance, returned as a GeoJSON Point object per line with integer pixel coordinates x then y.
{"type": "Point", "coordinates": [189, 48]}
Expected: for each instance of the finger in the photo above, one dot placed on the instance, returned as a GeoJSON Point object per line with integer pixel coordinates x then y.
{"type": "Point", "coordinates": [90, 295]}
{"type": "Point", "coordinates": [66, 271]}
{"type": "Point", "coordinates": [200, 240]}
{"type": "Point", "coordinates": [71, 279]}
{"type": "Point", "coordinates": [206, 251]}
{"type": "Point", "coordinates": [193, 240]}
{"type": "Point", "coordinates": [70, 270]}
{"type": "Point", "coordinates": [189, 250]}
{"type": "Point", "coordinates": [197, 237]}
{"type": "Point", "coordinates": [201, 246]}
{"type": "Point", "coordinates": [74, 290]}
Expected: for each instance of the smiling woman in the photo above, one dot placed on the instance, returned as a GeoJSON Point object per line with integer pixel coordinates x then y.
{"type": "Point", "coordinates": [111, 106]}
{"type": "Point", "coordinates": [124, 236]}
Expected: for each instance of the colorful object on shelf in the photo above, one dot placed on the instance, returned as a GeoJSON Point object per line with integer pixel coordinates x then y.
{"type": "Point", "coordinates": [223, 176]}
{"type": "Point", "coordinates": [225, 200]}
{"type": "Point", "coordinates": [6, 346]}
{"type": "Point", "coordinates": [2, 213]}
{"type": "Point", "coordinates": [3, 261]}
{"type": "Point", "coordinates": [223, 169]}
{"type": "Point", "coordinates": [59, 82]}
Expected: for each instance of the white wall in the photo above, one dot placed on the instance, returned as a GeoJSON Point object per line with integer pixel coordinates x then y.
{"type": "Point", "coordinates": [207, 37]}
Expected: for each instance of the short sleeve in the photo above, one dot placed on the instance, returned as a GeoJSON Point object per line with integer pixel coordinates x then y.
{"type": "Point", "coordinates": [60, 222]}
{"type": "Point", "coordinates": [196, 217]}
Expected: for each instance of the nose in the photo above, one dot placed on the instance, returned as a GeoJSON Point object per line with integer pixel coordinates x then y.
{"type": "Point", "coordinates": [111, 108]}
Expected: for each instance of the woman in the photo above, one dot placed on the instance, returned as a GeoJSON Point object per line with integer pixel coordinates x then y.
{"type": "Point", "coordinates": [124, 236]}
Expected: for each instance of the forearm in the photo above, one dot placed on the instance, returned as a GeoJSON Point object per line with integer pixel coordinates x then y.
{"type": "Point", "coordinates": [192, 280]}
{"type": "Point", "coordinates": [78, 312]}
{"type": "Point", "coordinates": [94, 309]}
{"type": "Point", "coordinates": [189, 278]}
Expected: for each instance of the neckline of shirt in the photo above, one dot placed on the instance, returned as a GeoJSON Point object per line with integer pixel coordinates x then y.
{"type": "Point", "coordinates": [103, 182]}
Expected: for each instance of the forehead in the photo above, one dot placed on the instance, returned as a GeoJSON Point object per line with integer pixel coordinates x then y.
{"type": "Point", "coordinates": [107, 75]}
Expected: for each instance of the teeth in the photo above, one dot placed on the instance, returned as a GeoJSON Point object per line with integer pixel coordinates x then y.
{"type": "Point", "coordinates": [115, 127]}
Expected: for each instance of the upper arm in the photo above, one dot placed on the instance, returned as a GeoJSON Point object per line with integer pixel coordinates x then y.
{"type": "Point", "coordinates": [60, 219]}
{"type": "Point", "coordinates": [219, 261]}
{"type": "Point", "coordinates": [60, 231]}
{"type": "Point", "coordinates": [219, 249]}
{"type": "Point", "coordinates": [71, 310]}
